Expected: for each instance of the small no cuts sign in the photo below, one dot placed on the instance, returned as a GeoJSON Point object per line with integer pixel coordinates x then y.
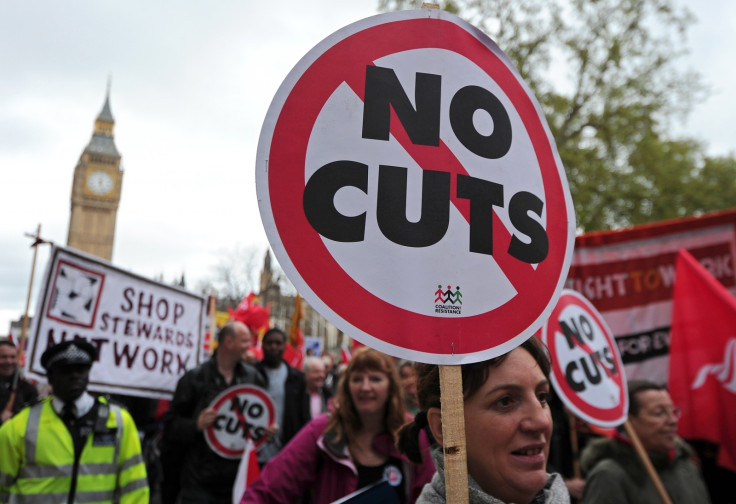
{"type": "Point", "coordinates": [587, 371]}
{"type": "Point", "coordinates": [243, 412]}
{"type": "Point", "coordinates": [411, 189]}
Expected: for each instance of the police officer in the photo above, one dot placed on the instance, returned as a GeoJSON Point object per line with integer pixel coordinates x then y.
{"type": "Point", "coordinates": [71, 447]}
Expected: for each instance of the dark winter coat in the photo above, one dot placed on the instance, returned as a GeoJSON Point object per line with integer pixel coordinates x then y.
{"type": "Point", "coordinates": [614, 474]}
{"type": "Point", "coordinates": [202, 470]}
{"type": "Point", "coordinates": [25, 396]}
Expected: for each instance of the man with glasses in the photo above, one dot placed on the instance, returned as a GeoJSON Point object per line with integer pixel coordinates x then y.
{"type": "Point", "coordinates": [616, 475]}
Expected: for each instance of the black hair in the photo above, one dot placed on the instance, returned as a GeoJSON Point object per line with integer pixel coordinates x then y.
{"type": "Point", "coordinates": [637, 386]}
{"type": "Point", "coordinates": [274, 330]}
{"type": "Point", "coordinates": [474, 375]}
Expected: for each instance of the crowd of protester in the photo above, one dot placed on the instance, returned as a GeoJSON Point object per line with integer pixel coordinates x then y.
{"type": "Point", "coordinates": [371, 423]}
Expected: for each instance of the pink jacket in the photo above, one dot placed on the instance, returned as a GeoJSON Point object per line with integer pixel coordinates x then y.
{"type": "Point", "coordinates": [312, 462]}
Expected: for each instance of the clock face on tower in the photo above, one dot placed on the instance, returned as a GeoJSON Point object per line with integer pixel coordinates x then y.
{"type": "Point", "coordinates": [100, 182]}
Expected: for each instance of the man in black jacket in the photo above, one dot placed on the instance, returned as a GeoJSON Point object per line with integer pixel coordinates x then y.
{"type": "Point", "coordinates": [10, 381]}
{"type": "Point", "coordinates": [287, 388]}
{"type": "Point", "coordinates": [188, 463]}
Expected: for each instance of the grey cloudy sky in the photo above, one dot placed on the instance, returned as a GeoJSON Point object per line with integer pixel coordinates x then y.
{"type": "Point", "coordinates": [191, 83]}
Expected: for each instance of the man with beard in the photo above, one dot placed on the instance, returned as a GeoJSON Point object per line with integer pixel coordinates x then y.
{"type": "Point", "coordinates": [287, 388]}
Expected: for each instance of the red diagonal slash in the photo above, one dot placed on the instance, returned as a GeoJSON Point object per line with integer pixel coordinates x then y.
{"type": "Point", "coordinates": [284, 152]}
{"type": "Point", "coordinates": [586, 348]}
{"type": "Point", "coordinates": [434, 157]}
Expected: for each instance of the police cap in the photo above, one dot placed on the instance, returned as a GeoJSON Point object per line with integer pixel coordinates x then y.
{"type": "Point", "coordinates": [69, 352]}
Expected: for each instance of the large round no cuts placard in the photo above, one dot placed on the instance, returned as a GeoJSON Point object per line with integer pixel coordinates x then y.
{"type": "Point", "coordinates": [411, 190]}
{"type": "Point", "coordinates": [587, 371]}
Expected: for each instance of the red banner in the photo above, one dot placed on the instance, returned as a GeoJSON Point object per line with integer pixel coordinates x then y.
{"type": "Point", "coordinates": [629, 277]}
{"type": "Point", "coordinates": [702, 377]}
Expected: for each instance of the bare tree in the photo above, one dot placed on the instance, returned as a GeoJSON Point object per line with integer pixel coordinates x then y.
{"type": "Point", "coordinates": [234, 276]}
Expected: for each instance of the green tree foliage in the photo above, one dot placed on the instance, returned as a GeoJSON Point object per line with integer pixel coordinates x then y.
{"type": "Point", "coordinates": [607, 74]}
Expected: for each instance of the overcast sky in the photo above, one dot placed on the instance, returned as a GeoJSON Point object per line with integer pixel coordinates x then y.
{"type": "Point", "coordinates": [191, 83]}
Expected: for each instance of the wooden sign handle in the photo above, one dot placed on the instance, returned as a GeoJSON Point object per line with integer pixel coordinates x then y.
{"type": "Point", "coordinates": [574, 445]}
{"type": "Point", "coordinates": [213, 322]}
{"type": "Point", "coordinates": [647, 463]}
{"type": "Point", "coordinates": [453, 435]}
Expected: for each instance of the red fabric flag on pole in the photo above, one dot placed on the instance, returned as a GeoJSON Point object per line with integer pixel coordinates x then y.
{"type": "Point", "coordinates": [294, 353]}
{"type": "Point", "coordinates": [702, 370]}
{"type": "Point", "coordinates": [251, 314]}
{"type": "Point", "coordinates": [248, 471]}
{"type": "Point", "coordinates": [345, 355]}
{"type": "Point", "coordinates": [295, 334]}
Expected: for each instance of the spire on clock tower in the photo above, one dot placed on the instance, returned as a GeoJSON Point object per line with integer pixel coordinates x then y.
{"type": "Point", "coordinates": [102, 141]}
{"type": "Point", "coordinates": [96, 189]}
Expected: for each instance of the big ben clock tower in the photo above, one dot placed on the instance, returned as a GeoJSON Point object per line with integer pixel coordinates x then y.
{"type": "Point", "coordinates": [96, 190]}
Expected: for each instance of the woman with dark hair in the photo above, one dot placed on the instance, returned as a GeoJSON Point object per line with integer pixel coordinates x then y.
{"type": "Point", "coordinates": [508, 426]}
{"type": "Point", "coordinates": [335, 455]}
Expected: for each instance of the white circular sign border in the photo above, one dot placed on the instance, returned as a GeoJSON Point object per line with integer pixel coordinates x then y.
{"type": "Point", "coordinates": [304, 287]}
{"type": "Point", "coordinates": [582, 302]}
{"type": "Point", "coordinates": [225, 452]}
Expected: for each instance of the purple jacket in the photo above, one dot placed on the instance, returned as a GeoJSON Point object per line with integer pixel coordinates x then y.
{"type": "Point", "coordinates": [311, 462]}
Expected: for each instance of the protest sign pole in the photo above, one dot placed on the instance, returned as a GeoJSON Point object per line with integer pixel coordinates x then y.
{"type": "Point", "coordinates": [453, 435]}
{"type": "Point", "coordinates": [22, 342]}
{"type": "Point", "coordinates": [24, 329]}
{"type": "Point", "coordinates": [575, 448]}
{"type": "Point", "coordinates": [213, 321]}
{"type": "Point", "coordinates": [453, 420]}
{"type": "Point", "coordinates": [639, 448]}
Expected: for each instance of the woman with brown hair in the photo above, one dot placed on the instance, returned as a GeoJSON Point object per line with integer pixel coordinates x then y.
{"type": "Point", "coordinates": [508, 426]}
{"type": "Point", "coordinates": [339, 453]}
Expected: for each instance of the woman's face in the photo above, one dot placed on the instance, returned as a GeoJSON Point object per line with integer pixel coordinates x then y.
{"type": "Point", "coordinates": [508, 426]}
{"type": "Point", "coordinates": [656, 422]}
{"type": "Point", "coordinates": [408, 379]}
{"type": "Point", "coordinates": [369, 391]}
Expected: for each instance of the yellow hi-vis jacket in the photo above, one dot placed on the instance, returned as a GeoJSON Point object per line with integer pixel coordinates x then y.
{"type": "Point", "coordinates": [37, 459]}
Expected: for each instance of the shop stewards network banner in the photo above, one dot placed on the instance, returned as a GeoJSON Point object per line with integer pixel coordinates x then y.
{"type": "Point", "coordinates": [147, 334]}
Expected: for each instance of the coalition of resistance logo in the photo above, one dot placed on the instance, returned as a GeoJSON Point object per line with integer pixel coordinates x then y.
{"type": "Point", "coordinates": [447, 301]}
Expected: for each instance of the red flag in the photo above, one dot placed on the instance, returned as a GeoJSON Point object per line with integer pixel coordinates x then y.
{"type": "Point", "coordinates": [295, 334]}
{"type": "Point", "coordinates": [294, 356]}
{"type": "Point", "coordinates": [702, 370]}
{"type": "Point", "coordinates": [251, 314]}
{"type": "Point", "coordinates": [248, 471]}
{"type": "Point", "coordinates": [345, 354]}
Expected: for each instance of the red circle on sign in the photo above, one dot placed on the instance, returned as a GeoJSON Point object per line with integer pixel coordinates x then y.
{"type": "Point", "coordinates": [322, 280]}
{"type": "Point", "coordinates": [226, 397]}
{"type": "Point", "coordinates": [604, 417]}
